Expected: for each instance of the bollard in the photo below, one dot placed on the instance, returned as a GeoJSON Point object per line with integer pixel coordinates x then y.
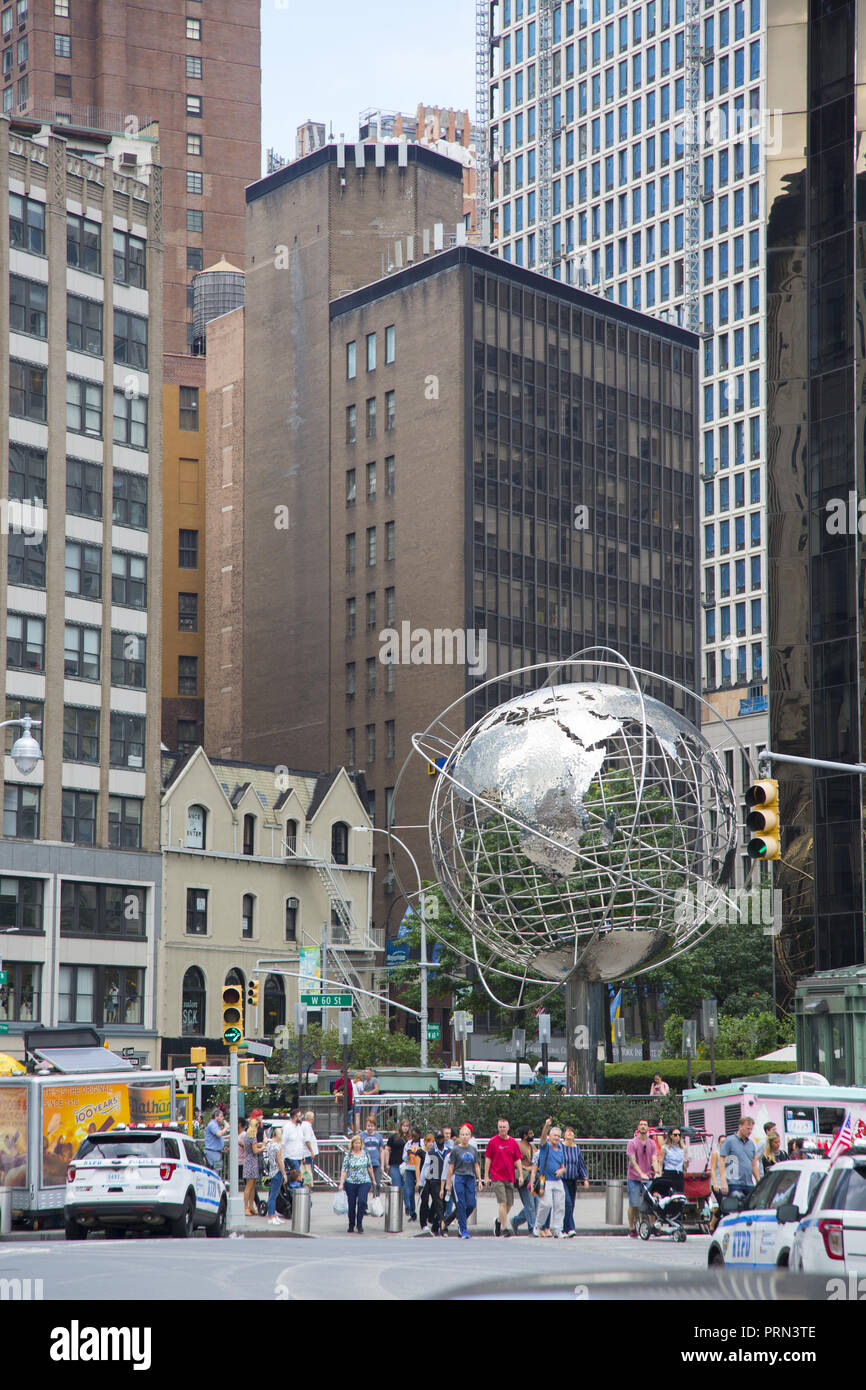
{"type": "Point", "coordinates": [302, 1202]}
{"type": "Point", "coordinates": [5, 1211]}
{"type": "Point", "coordinates": [394, 1210]}
{"type": "Point", "coordinates": [613, 1201]}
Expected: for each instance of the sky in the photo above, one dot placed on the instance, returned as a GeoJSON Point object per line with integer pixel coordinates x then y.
{"type": "Point", "coordinates": [328, 61]}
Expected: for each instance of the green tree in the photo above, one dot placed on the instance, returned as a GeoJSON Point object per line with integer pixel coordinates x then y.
{"type": "Point", "coordinates": [734, 965]}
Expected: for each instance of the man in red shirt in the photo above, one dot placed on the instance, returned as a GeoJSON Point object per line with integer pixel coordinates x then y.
{"type": "Point", "coordinates": [501, 1157]}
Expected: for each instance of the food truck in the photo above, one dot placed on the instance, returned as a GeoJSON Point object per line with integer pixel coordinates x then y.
{"type": "Point", "coordinates": [44, 1117]}
{"type": "Point", "coordinates": [802, 1105]}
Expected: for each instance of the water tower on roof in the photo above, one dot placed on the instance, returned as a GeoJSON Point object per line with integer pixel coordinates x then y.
{"type": "Point", "coordinates": [217, 290]}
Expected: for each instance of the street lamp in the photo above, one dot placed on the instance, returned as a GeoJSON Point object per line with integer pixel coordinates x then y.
{"type": "Point", "coordinates": [25, 751]}
{"type": "Point", "coordinates": [376, 830]}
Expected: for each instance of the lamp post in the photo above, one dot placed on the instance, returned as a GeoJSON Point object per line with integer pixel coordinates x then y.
{"type": "Point", "coordinates": [25, 752]}
{"type": "Point", "coordinates": [375, 830]}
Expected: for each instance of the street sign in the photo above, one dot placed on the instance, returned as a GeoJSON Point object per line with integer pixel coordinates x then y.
{"type": "Point", "coordinates": [327, 1001]}
{"type": "Point", "coordinates": [3, 976]}
{"type": "Point", "coordinates": [4, 1027]}
{"type": "Point", "coordinates": [190, 1073]}
{"type": "Point", "coordinates": [232, 1036]}
{"type": "Point", "coordinates": [434, 1032]}
{"type": "Point", "coordinates": [257, 1049]}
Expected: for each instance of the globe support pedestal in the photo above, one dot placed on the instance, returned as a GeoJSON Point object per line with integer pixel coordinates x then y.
{"type": "Point", "coordinates": [584, 1030]}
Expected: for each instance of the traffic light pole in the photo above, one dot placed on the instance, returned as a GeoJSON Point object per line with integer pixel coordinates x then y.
{"type": "Point", "coordinates": [236, 1208]}
{"type": "Point", "coordinates": [767, 757]}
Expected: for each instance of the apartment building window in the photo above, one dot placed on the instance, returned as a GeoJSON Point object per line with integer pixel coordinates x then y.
{"type": "Point", "coordinates": [390, 607]}
{"type": "Point", "coordinates": [27, 473]}
{"type": "Point", "coordinates": [83, 243]}
{"type": "Point", "coordinates": [21, 902]}
{"type": "Point", "coordinates": [193, 106]}
{"type": "Point", "coordinates": [128, 579]}
{"type": "Point", "coordinates": [371, 481]}
{"type": "Point", "coordinates": [61, 9]}
{"type": "Point", "coordinates": [371, 352]}
{"type": "Point", "coordinates": [28, 307]}
{"type": "Point", "coordinates": [129, 261]}
{"type": "Point", "coordinates": [21, 9]}
{"type": "Point", "coordinates": [371, 545]}
{"type": "Point", "coordinates": [187, 550]}
{"type": "Point", "coordinates": [350, 747]}
{"type": "Point", "coordinates": [371, 418]}
{"type": "Point", "coordinates": [351, 424]}
{"type": "Point", "coordinates": [83, 325]}
{"type": "Point", "coordinates": [130, 339]}
{"type": "Point", "coordinates": [187, 675]}
{"type": "Point", "coordinates": [23, 51]}
{"type": "Point", "coordinates": [26, 222]}
{"type": "Point", "coordinates": [187, 612]}
{"type": "Point", "coordinates": [83, 569]}
{"type": "Point", "coordinates": [194, 181]}
{"type": "Point", "coordinates": [78, 818]}
{"type": "Point", "coordinates": [25, 642]}
{"type": "Point", "coordinates": [371, 612]}
{"type": "Point", "coordinates": [26, 562]}
{"type": "Point", "coordinates": [351, 361]}
{"type": "Point", "coordinates": [126, 741]}
{"type": "Point", "coordinates": [350, 680]}
{"type": "Point", "coordinates": [196, 911]}
{"type": "Point", "coordinates": [187, 737]}
{"type": "Point", "coordinates": [129, 503]}
{"type": "Point", "coordinates": [194, 220]}
{"type": "Point", "coordinates": [390, 740]}
{"type": "Point", "coordinates": [28, 391]}
{"type": "Point", "coordinates": [128, 659]}
{"type": "Point", "coordinates": [188, 408]}
{"type": "Point", "coordinates": [371, 676]}
{"type": "Point", "coordinates": [247, 915]}
{"type": "Point", "coordinates": [350, 487]}
{"type": "Point", "coordinates": [371, 743]}
{"type": "Point", "coordinates": [340, 842]}
{"type": "Point", "coordinates": [83, 488]}
{"type": "Point", "coordinates": [351, 607]}
{"type": "Point", "coordinates": [193, 68]}
{"type": "Point", "coordinates": [292, 908]}
{"type": "Point", "coordinates": [80, 734]}
{"type": "Point", "coordinates": [193, 146]}
{"type": "Point", "coordinates": [130, 420]}
{"type": "Point", "coordinates": [389, 476]}
{"type": "Point", "coordinates": [84, 407]}
{"type": "Point", "coordinates": [21, 812]}
{"type": "Point", "coordinates": [193, 30]}
{"type": "Point", "coordinates": [124, 822]}
{"type": "Point", "coordinates": [390, 343]}
{"type": "Point", "coordinates": [81, 652]}
{"type": "Point", "coordinates": [389, 540]}
{"type": "Point", "coordinates": [390, 410]}
{"type": "Point", "coordinates": [350, 553]}
{"type": "Point", "coordinates": [62, 47]}
{"type": "Point", "coordinates": [62, 84]}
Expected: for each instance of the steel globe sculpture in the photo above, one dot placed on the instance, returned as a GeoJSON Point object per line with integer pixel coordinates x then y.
{"type": "Point", "coordinates": [582, 829]}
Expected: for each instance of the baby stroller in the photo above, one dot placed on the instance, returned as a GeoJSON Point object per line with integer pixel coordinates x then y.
{"type": "Point", "coordinates": [662, 1201]}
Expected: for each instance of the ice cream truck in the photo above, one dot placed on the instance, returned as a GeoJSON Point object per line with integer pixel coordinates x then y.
{"type": "Point", "coordinates": [802, 1105]}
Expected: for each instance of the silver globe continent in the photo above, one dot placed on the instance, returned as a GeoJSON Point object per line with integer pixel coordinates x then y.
{"type": "Point", "coordinates": [580, 826]}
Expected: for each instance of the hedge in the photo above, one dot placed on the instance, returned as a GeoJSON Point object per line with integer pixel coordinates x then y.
{"type": "Point", "coordinates": [635, 1078]}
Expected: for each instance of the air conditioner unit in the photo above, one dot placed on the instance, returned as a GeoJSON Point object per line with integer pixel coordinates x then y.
{"type": "Point", "coordinates": [128, 159]}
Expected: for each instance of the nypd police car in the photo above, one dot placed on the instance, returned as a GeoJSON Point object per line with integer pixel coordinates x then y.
{"type": "Point", "coordinates": [755, 1236]}
{"type": "Point", "coordinates": [832, 1238]}
{"type": "Point", "coordinates": [151, 1178]}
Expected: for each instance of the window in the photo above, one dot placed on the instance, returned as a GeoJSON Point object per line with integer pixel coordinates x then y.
{"type": "Point", "coordinates": [28, 391]}
{"type": "Point", "coordinates": [25, 642]}
{"type": "Point", "coordinates": [81, 652]}
{"type": "Point", "coordinates": [130, 420]}
{"type": "Point", "coordinates": [249, 834]}
{"type": "Point", "coordinates": [351, 489]}
{"type": "Point", "coordinates": [126, 740]}
{"type": "Point", "coordinates": [193, 146]}
{"type": "Point", "coordinates": [187, 675]}
{"type": "Point", "coordinates": [78, 818]}
{"type": "Point", "coordinates": [27, 473]}
{"type": "Point", "coordinates": [371, 612]}
{"type": "Point", "coordinates": [26, 223]}
{"type": "Point", "coordinates": [83, 569]}
{"type": "Point", "coordinates": [120, 988]}
{"type": "Point", "coordinates": [350, 553]}
{"type": "Point", "coordinates": [194, 182]}
{"type": "Point", "coordinates": [21, 902]}
{"type": "Point", "coordinates": [390, 343]}
{"type": "Point", "coordinates": [389, 476]}
{"type": "Point", "coordinates": [193, 30]}
{"type": "Point", "coordinates": [196, 827]}
{"type": "Point", "coordinates": [187, 550]}
{"type": "Point", "coordinates": [61, 9]}
{"type": "Point", "coordinates": [83, 243]}
{"type": "Point", "coordinates": [350, 748]}
{"type": "Point", "coordinates": [194, 220]}
{"type": "Point", "coordinates": [371, 545]}
{"type": "Point", "coordinates": [351, 423]}
{"type": "Point", "coordinates": [371, 743]}
{"type": "Point", "coordinates": [389, 540]}
{"type": "Point", "coordinates": [129, 260]}
{"type": "Point", "coordinates": [83, 488]}
{"type": "Point", "coordinates": [80, 734]}
{"type": "Point", "coordinates": [84, 407]}
{"type": "Point", "coordinates": [389, 678]}
{"type": "Point", "coordinates": [371, 417]}
{"type": "Point", "coordinates": [129, 579]}
{"type": "Point", "coordinates": [390, 410]}
{"type": "Point", "coordinates": [292, 907]}
{"type": "Point", "coordinates": [187, 612]}
{"type": "Point", "coordinates": [350, 680]}
{"type": "Point", "coordinates": [247, 916]}
{"type": "Point", "coordinates": [62, 84]}
{"type": "Point", "coordinates": [390, 606]}
{"type": "Point", "coordinates": [84, 325]}
{"type": "Point", "coordinates": [389, 738]}
{"type": "Point", "coordinates": [129, 504]}
{"type": "Point", "coordinates": [28, 307]}
{"type": "Point", "coordinates": [351, 607]}
{"type": "Point", "coordinates": [61, 46]}
{"type": "Point", "coordinates": [193, 106]}
{"type": "Point", "coordinates": [20, 996]}
{"type": "Point", "coordinates": [340, 843]}
{"type": "Point", "coordinates": [20, 812]}
{"type": "Point", "coordinates": [130, 340]}
{"type": "Point", "coordinates": [187, 737]}
{"type": "Point", "coordinates": [124, 822]}
{"type": "Point", "coordinates": [291, 837]}
{"type": "Point", "coordinates": [371, 676]}
{"type": "Point", "coordinates": [188, 408]}
{"type": "Point", "coordinates": [128, 659]}
{"type": "Point", "coordinates": [371, 352]}
{"type": "Point", "coordinates": [371, 481]}
{"type": "Point", "coordinates": [193, 1003]}
{"type": "Point", "coordinates": [193, 68]}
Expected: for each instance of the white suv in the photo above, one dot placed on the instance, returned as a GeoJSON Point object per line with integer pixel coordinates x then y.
{"type": "Point", "coordinates": [142, 1177]}
{"type": "Point", "coordinates": [832, 1238]}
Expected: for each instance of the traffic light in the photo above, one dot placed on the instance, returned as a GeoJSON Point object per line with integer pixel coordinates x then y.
{"type": "Point", "coordinates": [233, 1014]}
{"type": "Point", "coordinates": [762, 818]}
{"type": "Point", "coordinates": [253, 992]}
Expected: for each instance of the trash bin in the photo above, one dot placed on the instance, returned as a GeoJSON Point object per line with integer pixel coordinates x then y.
{"type": "Point", "coordinates": [5, 1211]}
{"type": "Point", "coordinates": [613, 1201]}
{"type": "Point", "coordinates": [302, 1202]}
{"type": "Point", "coordinates": [394, 1209]}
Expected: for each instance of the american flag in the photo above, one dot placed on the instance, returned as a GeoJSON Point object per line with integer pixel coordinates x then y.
{"type": "Point", "coordinates": [842, 1143]}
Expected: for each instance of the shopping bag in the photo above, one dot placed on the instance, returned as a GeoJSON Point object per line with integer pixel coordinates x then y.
{"type": "Point", "coordinates": [376, 1207]}
{"type": "Point", "coordinates": [341, 1204]}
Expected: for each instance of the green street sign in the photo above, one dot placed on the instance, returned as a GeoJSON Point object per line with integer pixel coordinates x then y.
{"type": "Point", "coordinates": [3, 975]}
{"type": "Point", "coordinates": [327, 1001]}
{"type": "Point", "coordinates": [434, 1032]}
{"type": "Point", "coordinates": [4, 1027]}
{"type": "Point", "coordinates": [232, 1036]}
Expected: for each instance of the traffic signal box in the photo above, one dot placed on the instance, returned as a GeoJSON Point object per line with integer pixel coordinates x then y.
{"type": "Point", "coordinates": [253, 992]}
{"type": "Point", "coordinates": [252, 1075]}
{"type": "Point", "coordinates": [232, 1014]}
{"type": "Point", "coordinates": [762, 818]}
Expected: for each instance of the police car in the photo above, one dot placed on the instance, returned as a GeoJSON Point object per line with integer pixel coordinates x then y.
{"type": "Point", "coordinates": [832, 1238]}
{"type": "Point", "coordinates": [758, 1235]}
{"type": "Point", "coordinates": [154, 1178]}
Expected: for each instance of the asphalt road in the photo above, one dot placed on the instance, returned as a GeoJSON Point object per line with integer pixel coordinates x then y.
{"type": "Point", "coordinates": [373, 1266]}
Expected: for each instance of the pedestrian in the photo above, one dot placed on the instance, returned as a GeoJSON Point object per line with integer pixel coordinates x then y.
{"type": "Point", "coordinates": [311, 1141]}
{"type": "Point", "coordinates": [356, 1178]}
{"type": "Point", "coordinates": [412, 1155]}
{"type": "Point", "coordinates": [550, 1166]}
{"type": "Point", "coordinates": [575, 1172]}
{"type": "Point", "coordinates": [773, 1151]}
{"type": "Point", "coordinates": [761, 1145]}
{"type": "Point", "coordinates": [430, 1178]}
{"type": "Point", "coordinates": [275, 1171]}
{"type": "Point", "coordinates": [197, 1124]}
{"type": "Point", "coordinates": [716, 1165]}
{"type": "Point", "coordinates": [295, 1145]}
{"type": "Point", "coordinates": [373, 1144]}
{"type": "Point", "coordinates": [463, 1173]}
{"type": "Point", "coordinates": [355, 1100]}
{"type": "Point", "coordinates": [738, 1166]}
{"type": "Point", "coordinates": [242, 1129]}
{"type": "Point", "coordinates": [673, 1159]}
{"type": "Point", "coordinates": [642, 1154]}
{"type": "Point", "coordinates": [659, 1087]}
{"type": "Point", "coordinates": [448, 1143]}
{"type": "Point", "coordinates": [394, 1152]}
{"type": "Point", "coordinates": [525, 1136]}
{"type": "Point", "coordinates": [214, 1140]}
{"type": "Point", "coordinates": [502, 1159]}
{"type": "Point", "coordinates": [370, 1087]}
{"type": "Point", "coordinates": [251, 1149]}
